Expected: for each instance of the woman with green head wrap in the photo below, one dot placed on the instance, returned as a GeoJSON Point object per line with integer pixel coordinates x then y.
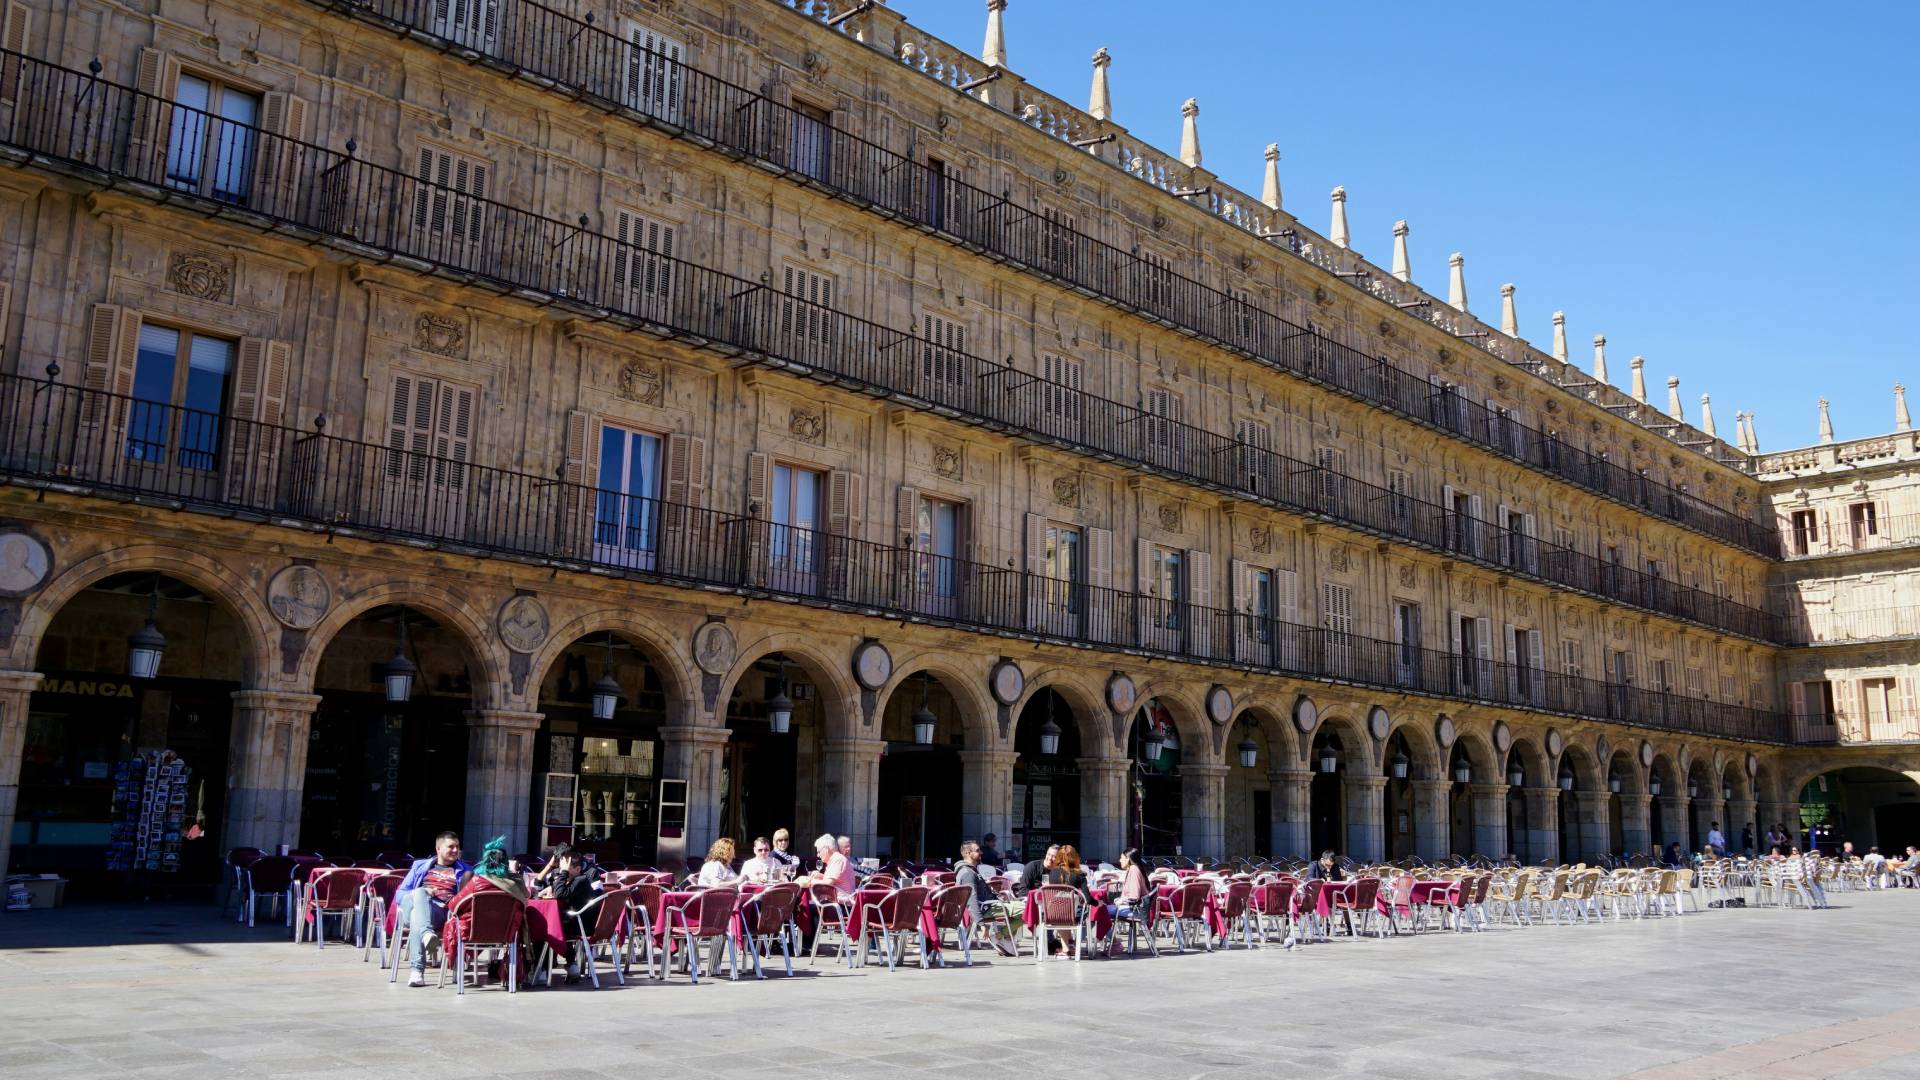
{"type": "Point", "coordinates": [493, 871]}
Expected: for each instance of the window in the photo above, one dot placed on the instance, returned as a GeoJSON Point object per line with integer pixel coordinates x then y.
{"type": "Point", "coordinates": [1500, 428]}
{"type": "Point", "coordinates": [1472, 641]}
{"type": "Point", "coordinates": [810, 141]}
{"type": "Point", "coordinates": [1572, 659]}
{"type": "Point", "coordinates": [1336, 616]}
{"type": "Point", "coordinates": [1062, 566]}
{"type": "Point", "coordinates": [1156, 280]}
{"type": "Point", "coordinates": [1444, 404]}
{"type": "Point", "coordinates": [1463, 521]}
{"type": "Point", "coordinates": [1526, 681]}
{"type": "Point", "coordinates": [936, 544]}
{"type": "Point", "coordinates": [1806, 529]}
{"type": "Point", "coordinates": [626, 511]}
{"type": "Point", "coordinates": [1242, 324]}
{"type": "Point", "coordinates": [448, 200]}
{"type": "Point", "coordinates": [1167, 584]}
{"type": "Point", "coordinates": [1058, 242]}
{"type": "Point", "coordinates": [1400, 499]}
{"type": "Point", "coordinates": [210, 148]}
{"type": "Point", "coordinates": [1730, 689]}
{"type": "Point", "coordinates": [1260, 604]}
{"type": "Point", "coordinates": [794, 520]}
{"type": "Point", "coordinates": [1333, 482]}
{"type": "Point", "coordinates": [936, 193]}
{"type": "Point", "coordinates": [1862, 523]}
{"type": "Point", "coordinates": [806, 316]}
{"type": "Point", "coordinates": [1060, 399]}
{"type": "Point", "coordinates": [943, 348]}
{"type": "Point", "coordinates": [642, 262]}
{"type": "Point", "coordinates": [429, 433]}
{"type": "Point", "coordinates": [1663, 676]}
{"type": "Point", "coordinates": [470, 22]}
{"type": "Point", "coordinates": [1166, 438]}
{"type": "Point", "coordinates": [655, 64]}
{"type": "Point", "coordinates": [180, 383]}
{"type": "Point", "coordinates": [1256, 455]}
{"type": "Point", "coordinates": [1406, 637]}
{"type": "Point", "coordinates": [1622, 683]}
{"type": "Point", "coordinates": [1813, 700]}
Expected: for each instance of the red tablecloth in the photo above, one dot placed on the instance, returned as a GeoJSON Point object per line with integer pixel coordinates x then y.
{"type": "Point", "coordinates": [1216, 919]}
{"type": "Point", "coordinates": [545, 925]}
{"type": "Point", "coordinates": [873, 896]}
{"type": "Point", "coordinates": [1423, 891]}
{"type": "Point", "coordinates": [1328, 890]}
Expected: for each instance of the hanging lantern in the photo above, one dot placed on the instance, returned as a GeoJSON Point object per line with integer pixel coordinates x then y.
{"type": "Point", "coordinates": [146, 645]}
{"type": "Point", "coordinates": [1400, 764]}
{"type": "Point", "coordinates": [1151, 743]}
{"type": "Point", "coordinates": [1726, 790]}
{"type": "Point", "coordinates": [1653, 786]}
{"type": "Point", "coordinates": [923, 718]}
{"type": "Point", "coordinates": [780, 706]}
{"type": "Point", "coordinates": [1566, 778]}
{"type": "Point", "coordinates": [1249, 752]}
{"type": "Point", "coordinates": [1049, 738]}
{"type": "Point", "coordinates": [399, 671]}
{"type": "Point", "coordinates": [1516, 776]}
{"type": "Point", "coordinates": [1329, 759]}
{"type": "Point", "coordinates": [606, 692]}
{"type": "Point", "coordinates": [1462, 772]}
{"type": "Point", "coordinates": [1693, 789]}
{"type": "Point", "coordinates": [1613, 783]}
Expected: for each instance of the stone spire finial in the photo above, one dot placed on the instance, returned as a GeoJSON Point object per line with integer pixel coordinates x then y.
{"type": "Point", "coordinates": [1600, 357]}
{"type": "Point", "coordinates": [1560, 336]}
{"type": "Point", "coordinates": [994, 52]}
{"type": "Point", "coordinates": [1674, 408]}
{"type": "Point", "coordinates": [1826, 423]}
{"type": "Point", "coordinates": [1457, 281]}
{"type": "Point", "coordinates": [1639, 364]}
{"type": "Point", "coordinates": [1337, 232]}
{"type": "Point", "coordinates": [1270, 190]}
{"type": "Point", "coordinates": [1099, 101]}
{"type": "Point", "coordinates": [1509, 321]}
{"type": "Point", "coordinates": [1753, 436]}
{"type": "Point", "coordinates": [1901, 421]}
{"type": "Point", "coordinates": [1402, 268]}
{"type": "Point", "coordinates": [1706, 416]}
{"type": "Point", "coordinates": [1190, 133]}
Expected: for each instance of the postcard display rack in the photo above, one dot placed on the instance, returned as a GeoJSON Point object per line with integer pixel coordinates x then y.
{"type": "Point", "coordinates": [150, 809]}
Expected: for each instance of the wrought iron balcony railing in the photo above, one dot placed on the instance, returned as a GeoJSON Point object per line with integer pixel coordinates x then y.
{"type": "Point", "coordinates": [79, 122]}
{"type": "Point", "coordinates": [1895, 725]}
{"type": "Point", "coordinates": [1810, 538]}
{"type": "Point", "coordinates": [71, 438]}
{"type": "Point", "coordinates": [584, 62]}
{"type": "Point", "coordinates": [1820, 626]}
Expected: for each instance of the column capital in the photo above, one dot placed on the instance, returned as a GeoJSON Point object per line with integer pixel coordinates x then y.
{"type": "Point", "coordinates": [504, 718]}
{"type": "Point", "coordinates": [24, 682]}
{"type": "Point", "coordinates": [1290, 776]}
{"type": "Point", "coordinates": [697, 734]}
{"type": "Point", "coordinates": [1363, 780]}
{"type": "Point", "coordinates": [275, 699]}
{"type": "Point", "coordinates": [1199, 770]}
{"type": "Point", "coordinates": [990, 757]}
{"type": "Point", "coordinates": [1492, 790]}
{"type": "Point", "coordinates": [1430, 787]}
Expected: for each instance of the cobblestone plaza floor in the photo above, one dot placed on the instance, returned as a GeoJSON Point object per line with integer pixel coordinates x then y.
{"type": "Point", "coordinates": [175, 991]}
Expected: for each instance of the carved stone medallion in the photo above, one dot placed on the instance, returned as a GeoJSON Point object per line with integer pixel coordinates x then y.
{"type": "Point", "coordinates": [299, 596]}
{"type": "Point", "coordinates": [25, 563]}
{"type": "Point", "coordinates": [1120, 694]}
{"type": "Point", "coordinates": [807, 426]}
{"type": "Point", "coordinates": [1409, 576]}
{"type": "Point", "coordinates": [1306, 715]}
{"type": "Point", "coordinates": [644, 383]}
{"type": "Point", "coordinates": [1170, 516]}
{"type": "Point", "coordinates": [439, 334]}
{"type": "Point", "coordinates": [1379, 722]}
{"type": "Point", "coordinates": [1261, 539]}
{"type": "Point", "coordinates": [198, 274]}
{"type": "Point", "coordinates": [1066, 490]}
{"type": "Point", "coordinates": [1338, 560]}
{"type": "Point", "coordinates": [947, 461]}
{"type": "Point", "coordinates": [523, 623]}
{"type": "Point", "coordinates": [714, 648]}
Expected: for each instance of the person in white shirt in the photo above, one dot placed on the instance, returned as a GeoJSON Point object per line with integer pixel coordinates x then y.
{"type": "Point", "coordinates": [718, 869]}
{"type": "Point", "coordinates": [759, 869]}
{"type": "Point", "coordinates": [1717, 840]}
{"type": "Point", "coordinates": [1875, 867]}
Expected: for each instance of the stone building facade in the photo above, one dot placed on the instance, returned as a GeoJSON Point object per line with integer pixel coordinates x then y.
{"type": "Point", "coordinates": [724, 360]}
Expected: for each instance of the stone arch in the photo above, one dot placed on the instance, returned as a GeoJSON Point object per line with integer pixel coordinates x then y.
{"type": "Point", "coordinates": [1766, 788]}
{"type": "Point", "coordinates": [1274, 731]}
{"type": "Point", "coordinates": [1701, 772]}
{"type": "Point", "coordinates": [1422, 748]}
{"type": "Point", "coordinates": [1664, 768]}
{"type": "Point", "coordinates": [1586, 771]}
{"type": "Point", "coordinates": [667, 656]}
{"type": "Point", "coordinates": [1533, 761]}
{"type": "Point", "coordinates": [240, 598]}
{"type": "Point", "coordinates": [845, 720]}
{"type": "Point", "coordinates": [472, 627]}
{"type": "Point", "coordinates": [967, 688]}
{"type": "Point", "coordinates": [1356, 745]}
{"type": "Point", "coordinates": [1633, 778]}
{"type": "Point", "coordinates": [1188, 720]}
{"type": "Point", "coordinates": [1086, 707]}
{"type": "Point", "coordinates": [1735, 773]}
{"type": "Point", "coordinates": [1480, 756]}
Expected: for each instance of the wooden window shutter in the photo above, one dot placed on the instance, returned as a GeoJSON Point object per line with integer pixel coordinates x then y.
{"type": "Point", "coordinates": [679, 468]}
{"type": "Point", "coordinates": [13, 38]}
{"type": "Point", "coordinates": [579, 459]}
{"type": "Point", "coordinates": [696, 470]}
{"type": "Point", "coordinates": [247, 378]}
{"type": "Point", "coordinates": [1286, 591]}
{"type": "Point", "coordinates": [1199, 578]}
{"type": "Point", "coordinates": [759, 484]}
{"type": "Point", "coordinates": [906, 517]}
{"type": "Point", "coordinates": [846, 496]}
{"type": "Point", "coordinates": [1241, 598]}
{"type": "Point", "coordinates": [6, 297]}
{"type": "Point", "coordinates": [156, 75]}
{"type": "Point", "coordinates": [453, 435]}
{"type": "Point", "coordinates": [284, 114]}
{"type": "Point", "coordinates": [113, 345]}
{"type": "Point", "coordinates": [1143, 567]}
{"type": "Point", "coordinates": [1453, 633]}
{"type": "Point", "coordinates": [1100, 558]}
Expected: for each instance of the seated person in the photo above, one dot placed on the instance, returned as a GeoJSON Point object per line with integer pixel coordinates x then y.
{"type": "Point", "coordinates": [421, 901]}
{"type": "Point", "coordinates": [990, 856]}
{"type": "Point", "coordinates": [718, 869]}
{"type": "Point", "coordinates": [760, 868]}
{"type": "Point", "coordinates": [1068, 871]}
{"type": "Point", "coordinates": [571, 880]}
{"type": "Point", "coordinates": [784, 862]}
{"type": "Point", "coordinates": [1035, 872]}
{"type": "Point", "coordinates": [837, 869]}
{"type": "Point", "coordinates": [1325, 869]}
{"type": "Point", "coordinates": [984, 908]}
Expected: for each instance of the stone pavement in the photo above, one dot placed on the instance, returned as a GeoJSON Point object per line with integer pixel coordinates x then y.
{"type": "Point", "coordinates": [172, 990]}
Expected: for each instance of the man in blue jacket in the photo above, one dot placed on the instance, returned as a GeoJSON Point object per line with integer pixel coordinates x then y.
{"type": "Point", "coordinates": [423, 897]}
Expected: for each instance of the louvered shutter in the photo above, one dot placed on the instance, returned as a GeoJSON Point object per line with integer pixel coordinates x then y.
{"type": "Point", "coordinates": [258, 409]}
{"type": "Point", "coordinates": [1099, 592]}
{"type": "Point", "coordinates": [113, 348]}
{"type": "Point", "coordinates": [943, 343]}
{"type": "Point", "coordinates": [1536, 666]}
{"type": "Point", "coordinates": [1038, 589]}
{"type": "Point", "coordinates": [1451, 540]}
{"type": "Point", "coordinates": [1908, 720]}
{"type": "Point", "coordinates": [759, 508]}
{"type": "Point", "coordinates": [1240, 603]}
{"type": "Point", "coordinates": [155, 76]}
{"type": "Point", "coordinates": [804, 316]}
{"type": "Point", "coordinates": [655, 65]}
{"type": "Point", "coordinates": [1529, 545]}
{"type": "Point", "coordinates": [577, 498]}
{"type": "Point", "coordinates": [1200, 613]}
{"type": "Point", "coordinates": [453, 437]}
{"type": "Point", "coordinates": [13, 38]}
{"type": "Point", "coordinates": [1475, 529]}
{"type": "Point", "coordinates": [846, 500]}
{"type": "Point", "coordinates": [642, 262]}
{"type": "Point", "coordinates": [1100, 558]}
{"type": "Point", "coordinates": [1143, 582]}
{"type": "Point", "coordinates": [1513, 661]}
{"type": "Point", "coordinates": [1060, 401]}
{"type": "Point", "coordinates": [283, 122]}
{"type": "Point", "coordinates": [1458, 648]}
{"type": "Point", "coordinates": [1505, 547]}
{"type": "Point", "coordinates": [1483, 652]}
{"type": "Point", "coordinates": [1286, 611]}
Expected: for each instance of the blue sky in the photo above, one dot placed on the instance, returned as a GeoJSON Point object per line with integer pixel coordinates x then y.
{"type": "Point", "coordinates": [1727, 189]}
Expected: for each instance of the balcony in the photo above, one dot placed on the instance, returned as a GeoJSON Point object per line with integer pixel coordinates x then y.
{"type": "Point", "coordinates": [1824, 538]}
{"type": "Point", "coordinates": [1820, 626]}
{"type": "Point", "coordinates": [82, 125]}
{"type": "Point", "coordinates": [588, 64]}
{"type": "Point", "coordinates": [1893, 726]}
{"type": "Point", "coordinates": [67, 438]}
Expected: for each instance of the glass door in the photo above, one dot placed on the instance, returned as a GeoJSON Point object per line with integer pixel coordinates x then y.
{"type": "Point", "coordinates": [626, 519]}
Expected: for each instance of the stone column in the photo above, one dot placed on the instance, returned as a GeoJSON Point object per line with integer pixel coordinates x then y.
{"type": "Point", "coordinates": [16, 691]}
{"type": "Point", "coordinates": [1744, 812]}
{"type": "Point", "coordinates": [1489, 803]}
{"type": "Point", "coordinates": [1590, 825]}
{"type": "Point", "coordinates": [1203, 811]}
{"type": "Point", "coordinates": [692, 752]}
{"type": "Point", "coordinates": [1366, 802]}
{"type": "Point", "coordinates": [986, 793]}
{"type": "Point", "coordinates": [850, 796]}
{"type": "Point", "coordinates": [1673, 819]}
{"type": "Point", "coordinates": [1636, 824]}
{"type": "Point", "coordinates": [1432, 818]}
{"type": "Point", "coordinates": [1292, 812]}
{"type": "Point", "coordinates": [499, 776]}
{"type": "Point", "coordinates": [1104, 796]}
{"type": "Point", "coordinates": [1543, 824]}
{"type": "Point", "coordinates": [1706, 811]}
{"type": "Point", "coordinates": [267, 767]}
